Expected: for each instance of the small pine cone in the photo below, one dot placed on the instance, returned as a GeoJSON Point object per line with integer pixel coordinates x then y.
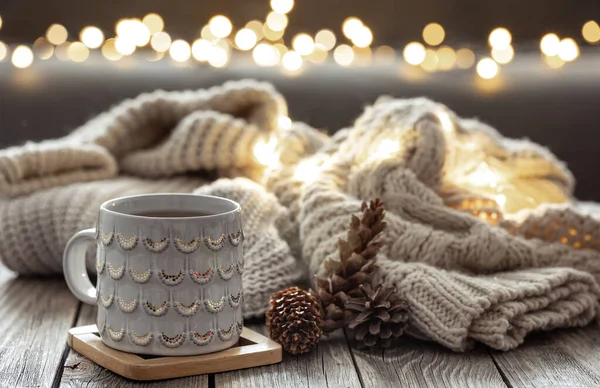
{"type": "Point", "coordinates": [294, 320]}
{"type": "Point", "coordinates": [378, 316]}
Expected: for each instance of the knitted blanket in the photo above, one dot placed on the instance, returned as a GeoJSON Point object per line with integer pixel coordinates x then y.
{"type": "Point", "coordinates": [471, 270]}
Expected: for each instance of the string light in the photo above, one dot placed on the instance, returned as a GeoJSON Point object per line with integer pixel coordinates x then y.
{"type": "Point", "coordinates": [265, 55]}
{"type": "Point", "coordinates": [220, 26]}
{"type": "Point", "coordinates": [78, 52]}
{"type": "Point", "coordinates": [303, 44]}
{"type": "Point", "coordinates": [22, 57]}
{"type": "Point", "coordinates": [414, 53]}
{"type": "Point", "coordinates": [153, 22]}
{"type": "Point", "coordinates": [591, 32]}
{"type": "Point", "coordinates": [109, 50]}
{"type": "Point", "coordinates": [387, 148]}
{"type": "Point", "coordinates": [281, 49]}
{"type": "Point", "coordinates": [446, 58]}
{"type": "Point", "coordinates": [487, 68]}
{"type": "Point", "coordinates": [272, 35]}
{"type": "Point", "coordinates": [161, 41]}
{"type": "Point", "coordinates": [276, 21]}
{"type": "Point", "coordinates": [568, 50]}
{"type": "Point", "coordinates": [325, 38]}
{"type": "Point", "coordinates": [180, 50]}
{"type": "Point", "coordinates": [433, 34]}
{"type": "Point", "coordinates": [56, 34]}
{"type": "Point", "coordinates": [201, 50]}
{"type": "Point", "coordinates": [245, 39]}
{"type": "Point", "coordinates": [351, 26]}
{"type": "Point", "coordinates": [503, 56]}
{"type": "Point", "coordinates": [218, 57]}
{"type": "Point", "coordinates": [42, 48]}
{"type": "Point", "coordinates": [3, 50]}
{"type": "Point", "coordinates": [550, 44]}
{"type": "Point", "coordinates": [431, 60]}
{"type": "Point", "coordinates": [343, 55]}
{"type": "Point", "coordinates": [554, 61]}
{"type": "Point", "coordinates": [500, 38]}
{"type": "Point", "coordinates": [62, 51]}
{"type": "Point", "coordinates": [124, 46]}
{"type": "Point", "coordinates": [282, 6]}
{"type": "Point", "coordinates": [363, 37]}
{"type": "Point", "coordinates": [256, 27]}
{"type": "Point", "coordinates": [319, 54]}
{"type": "Point", "coordinates": [306, 169]}
{"type": "Point", "coordinates": [385, 55]}
{"type": "Point", "coordinates": [284, 122]}
{"type": "Point", "coordinates": [0, 21]}
{"type": "Point", "coordinates": [465, 58]}
{"type": "Point", "coordinates": [291, 61]}
{"type": "Point", "coordinates": [264, 152]}
{"type": "Point", "coordinates": [92, 37]}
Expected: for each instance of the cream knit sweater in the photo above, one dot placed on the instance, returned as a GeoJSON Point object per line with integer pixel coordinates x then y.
{"type": "Point", "coordinates": [466, 280]}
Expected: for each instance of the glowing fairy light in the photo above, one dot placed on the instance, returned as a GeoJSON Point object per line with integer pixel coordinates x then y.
{"type": "Point", "coordinates": [433, 34]}
{"type": "Point", "coordinates": [56, 34]}
{"type": "Point", "coordinates": [414, 53]}
{"type": "Point", "coordinates": [351, 27]}
{"type": "Point", "coordinates": [256, 27]}
{"type": "Point", "coordinates": [465, 58]}
{"type": "Point", "coordinates": [78, 52]}
{"type": "Point", "coordinates": [201, 50]}
{"type": "Point", "coordinates": [591, 32]}
{"type": "Point", "coordinates": [306, 169]}
{"type": "Point", "coordinates": [487, 68]}
{"type": "Point", "coordinates": [264, 152]}
{"type": "Point", "coordinates": [161, 41]}
{"type": "Point", "coordinates": [124, 46]}
{"type": "Point", "coordinates": [503, 56]}
{"type": "Point", "coordinates": [3, 50]}
{"type": "Point", "coordinates": [325, 38]}
{"type": "Point", "coordinates": [245, 39]}
{"type": "Point", "coordinates": [276, 21]}
{"type": "Point", "coordinates": [282, 6]}
{"type": "Point", "coordinates": [431, 61]}
{"type": "Point", "coordinates": [385, 55]}
{"type": "Point", "coordinates": [291, 61]}
{"type": "Point", "coordinates": [265, 55]}
{"type": "Point", "coordinates": [284, 122]}
{"type": "Point", "coordinates": [387, 148]}
{"type": "Point", "coordinates": [180, 51]}
{"type": "Point", "coordinates": [153, 22]}
{"type": "Point", "coordinates": [220, 26]}
{"type": "Point", "coordinates": [109, 50]}
{"type": "Point", "coordinates": [550, 44]}
{"type": "Point", "coordinates": [92, 37]}
{"type": "Point", "coordinates": [218, 57]}
{"type": "Point", "coordinates": [446, 58]}
{"type": "Point", "coordinates": [568, 50]}
{"type": "Point", "coordinates": [41, 48]}
{"type": "Point", "coordinates": [500, 38]}
{"type": "Point", "coordinates": [363, 37]}
{"type": "Point", "coordinates": [303, 44]}
{"type": "Point", "coordinates": [22, 57]}
{"type": "Point", "coordinates": [343, 55]}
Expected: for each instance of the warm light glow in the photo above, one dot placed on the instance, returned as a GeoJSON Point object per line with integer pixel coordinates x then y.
{"type": "Point", "coordinates": [92, 37]}
{"type": "Point", "coordinates": [0, 21]}
{"type": "Point", "coordinates": [78, 52]}
{"type": "Point", "coordinates": [201, 50]}
{"type": "Point", "coordinates": [385, 55]}
{"type": "Point", "coordinates": [3, 50]}
{"type": "Point", "coordinates": [153, 22]}
{"type": "Point", "coordinates": [550, 44]}
{"type": "Point", "coordinates": [362, 56]}
{"type": "Point", "coordinates": [433, 34]}
{"type": "Point", "coordinates": [265, 55]}
{"type": "Point", "coordinates": [303, 44]}
{"type": "Point", "coordinates": [343, 55]}
{"type": "Point", "coordinates": [22, 57]}
{"type": "Point", "coordinates": [124, 46]}
{"type": "Point", "coordinates": [414, 53]}
{"type": "Point", "coordinates": [319, 54]}
{"type": "Point", "coordinates": [446, 58]}
{"type": "Point", "coordinates": [351, 26]}
{"type": "Point", "coordinates": [180, 51]}
{"type": "Point", "coordinates": [503, 56]}
{"type": "Point", "coordinates": [465, 58]}
{"type": "Point", "coordinates": [291, 61]}
{"type": "Point", "coordinates": [306, 169]}
{"type": "Point", "coordinates": [220, 26]}
{"type": "Point", "coordinates": [281, 48]}
{"type": "Point", "coordinates": [568, 50]}
{"type": "Point", "coordinates": [264, 152]}
{"type": "Point", "coordinates": [161, 41]}
{"type": "Point", "coordinates": [591, 32]}
{"type": "Point", "coordinates": [487, 68]}
{"type": "Point", "coordinates": [282, 6]}
{"type": "Point", "coordinates": [284, 122]}
{"type": "Point", "coordinates": [109, 50]}
{"type": "Point", "coordinates": [257, 27]}
{"type": "Point", "coordinates": [363, 37]}
{"type": "Point", "coordinates": [326, 38]}
{"type": "Point", "coordinates": [445, 120]}
{"type": "Point", "coordinates": [219, 56]}
{"type": "Point", "coordinates": [41, 48]}
{"type": "Point", "coordinates": [554, 61]}
{"type": "Point", "coordinates": [500, 38]}
{"type": "Point", "coordinates": [276, 21]}
{"type": "Point", "coordinates": [482, 176]}
{"type": "Point", "coordinates": [206, 34]}
{"type": "Point", "coordinates": [245, 39]}
{"type": "Point", "coordinates": [62, 51]}
{"type": "Point", "coordinates": [272, 35]}
{"type": "Point", "coordinates": [133, 30]}
{"type": "Point", "coordinates": [56, 34]}
{"type": "Point", "coordinates": [387, 148]}
{"type": "Point", "coordinates": [430, 63]}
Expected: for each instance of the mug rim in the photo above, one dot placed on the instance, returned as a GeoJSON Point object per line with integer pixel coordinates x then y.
{"type": "Point", "coordinates": [105, 207]}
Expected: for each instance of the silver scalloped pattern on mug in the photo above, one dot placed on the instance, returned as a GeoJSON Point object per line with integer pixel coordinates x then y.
{"type": "Point", "coordinates": [156, 310]}
{"type": "Point", "coordinates": [226, 273]}
{"type": "Point", "coordinates": [215, 245]}
{"type": "Point", "coordinates": [101, 326]}
{"type": "Point", "coordinates": [100, 265]}
{"type": "Point", "coordinates": [171, 280]}
{"type": "Point", "coordinates": [155, 246]}
{"type": "Point", "coordinates": [127, 307]}
{"type": "Point", "coordinates": [234, 300]}
{"type": "Point", "coordinates": [141, 340]}
{"type": "Point", "coordinates": [202, 339]}
{"type": "Point", "coordinates": [115, 273]}
{"type": "Point", "coordinates": [240, 326]}
{"type": "Point", "coordinates": [115, 335]}
{"type": "Point", "coordinates": [215, 307]}
{"type": "Point", "coordinates": [236, 239]}
{"type": "Point", "coordinates": [187, 311]}
{"type": "Point", "coordinates": [106, 238]}
{"type": "Point", "coordinates": [225, 335]}
{"type": "Point", "coordinates": [184, 247]}
{"type": "Point", "coordinates": [106, 301]}
{"type": "Point", "coordinates": [202, 278]}
{"type": "Point", "coordinates": [239, 266]}
{"type": "Point", "coordinates": [127, 243]}
{"type": "Point", "coordinates": [172, 342]}
{"type": "Point", "coordinates": [140, 277]}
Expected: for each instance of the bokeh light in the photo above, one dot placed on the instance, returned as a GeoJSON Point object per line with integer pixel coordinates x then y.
{"type": "Point", "coordinates": [500, 38]}
{"type": "Point", "coordinates": [92, 37]}
{"type": "Point", "coordinates": [281, 48]}
{"type": "Point", "coordinates": [218, 56]}
{"type": "Point", "coordinates": [568, 50]}
{"type": "Point", "coordinates": [206, 34]}
{"type": "Point", "coordinates": [291, 61]}
{"type": "Point", "coordinates": [591, 32]}
{"type": "Point", "coordinates": [550, 44]}
{"type": "Point", "coordinates": [62, 51]}
{"type": "Point", "coordinates": [363, 56]}
{"type": "Point", "coordinates": [220, 26]}
{"type": "Point", "coordinates": [22, 57]}
{"type": "Point", "coordinates": [109, 50]}
{"type": "Point", "coordinates": [554, 61]}
{"type": "Point", "coordinates": [343, 55]}
{"type": "Point", "coordinates": [78, 52]}
{"type": "Point", "coordinates": [303, 44]}
{"type": "Point", "coordinates": [256, 27]}
{"type": "Point", "coordinates": [446, 58]}
{"type": "Point", "coordinates": [465, 58]}
{"type": "Point", "coordinates": [433, 34]}
{"type": "Point", "coordinates": [282, 6]}
{"type": "Point", "coordinates": [319, 54]}
{"type": "Point", "coordinates": [57, 34]}
{"type": "Point", "coordinates": [161, 41]}
{"type": "Point", "coordinates": [272, 35]}
{"type": "Point", "coordinates": [503, 56]}
{"type": "Point", "coordinates": [202, 49]}
{"type": "Point", "coordinates": [276, 21]}
{"type": "Point", "coordinates": [3, 50]}
{"type": "Point", "coordinates": [325, 38]}
{"type": "Point", "coordinates": [414, 53]}
{"type": "Point", "coordinates": [133, 30]}
{"type": "Point", "coordinates": [124, 46]}
{"type": "Point", "coordinates": [385, 55]}
{"type": "Point", "coordinates": [363, 37]}
{"type": "Point", "coordinates": [42, 48]}
{"type": "Point", "coordinates": [180, 51]}
{"type": "Point", "coordinates": [153, 22]}
{"type": "Point", "coordinates": [0, 21]}
{"type": "Point", "coordinates": [351, 26]}
{"type": "Point", "coordinates": [265, 55]}
{"type": "Point", "coordinates": [430, 63]}
{"type": "Point", "coordinates": [487, 68]}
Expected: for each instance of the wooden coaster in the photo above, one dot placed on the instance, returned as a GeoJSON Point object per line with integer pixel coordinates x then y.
{"type": "Point", "coordinates": [252, 350]}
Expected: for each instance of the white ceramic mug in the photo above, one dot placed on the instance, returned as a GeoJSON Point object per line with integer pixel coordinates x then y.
{"type": "Point", "coordinates": [168, 283]}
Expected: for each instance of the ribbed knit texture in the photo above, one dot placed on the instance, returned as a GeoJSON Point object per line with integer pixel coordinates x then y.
{"type": "Point", "coordinates": [466, 280]}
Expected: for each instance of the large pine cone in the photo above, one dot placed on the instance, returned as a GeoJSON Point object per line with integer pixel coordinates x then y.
{"type": "Point", "coordinates": [294, 320]}
{"type": "Point", "coordinates": [378, 316]}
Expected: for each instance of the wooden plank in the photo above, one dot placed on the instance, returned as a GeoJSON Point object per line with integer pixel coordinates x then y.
{"type": "Point", "coordinates": [330, 365]}
{"type": "Point", "coordinates": [416, 363]}
{"type": "Point", "coordinates": [561, 358]}
{"type": "Point", "coordinates": [36, 314]}
{"type": "Point", "coordinates": [79, 371]}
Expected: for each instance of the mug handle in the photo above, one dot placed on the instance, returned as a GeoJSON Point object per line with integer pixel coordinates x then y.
{"type": "Point", "coordinates": [74, 266]}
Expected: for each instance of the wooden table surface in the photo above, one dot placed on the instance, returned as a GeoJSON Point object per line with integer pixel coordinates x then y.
{"type": "Point", "coordinates": [35, 315]}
